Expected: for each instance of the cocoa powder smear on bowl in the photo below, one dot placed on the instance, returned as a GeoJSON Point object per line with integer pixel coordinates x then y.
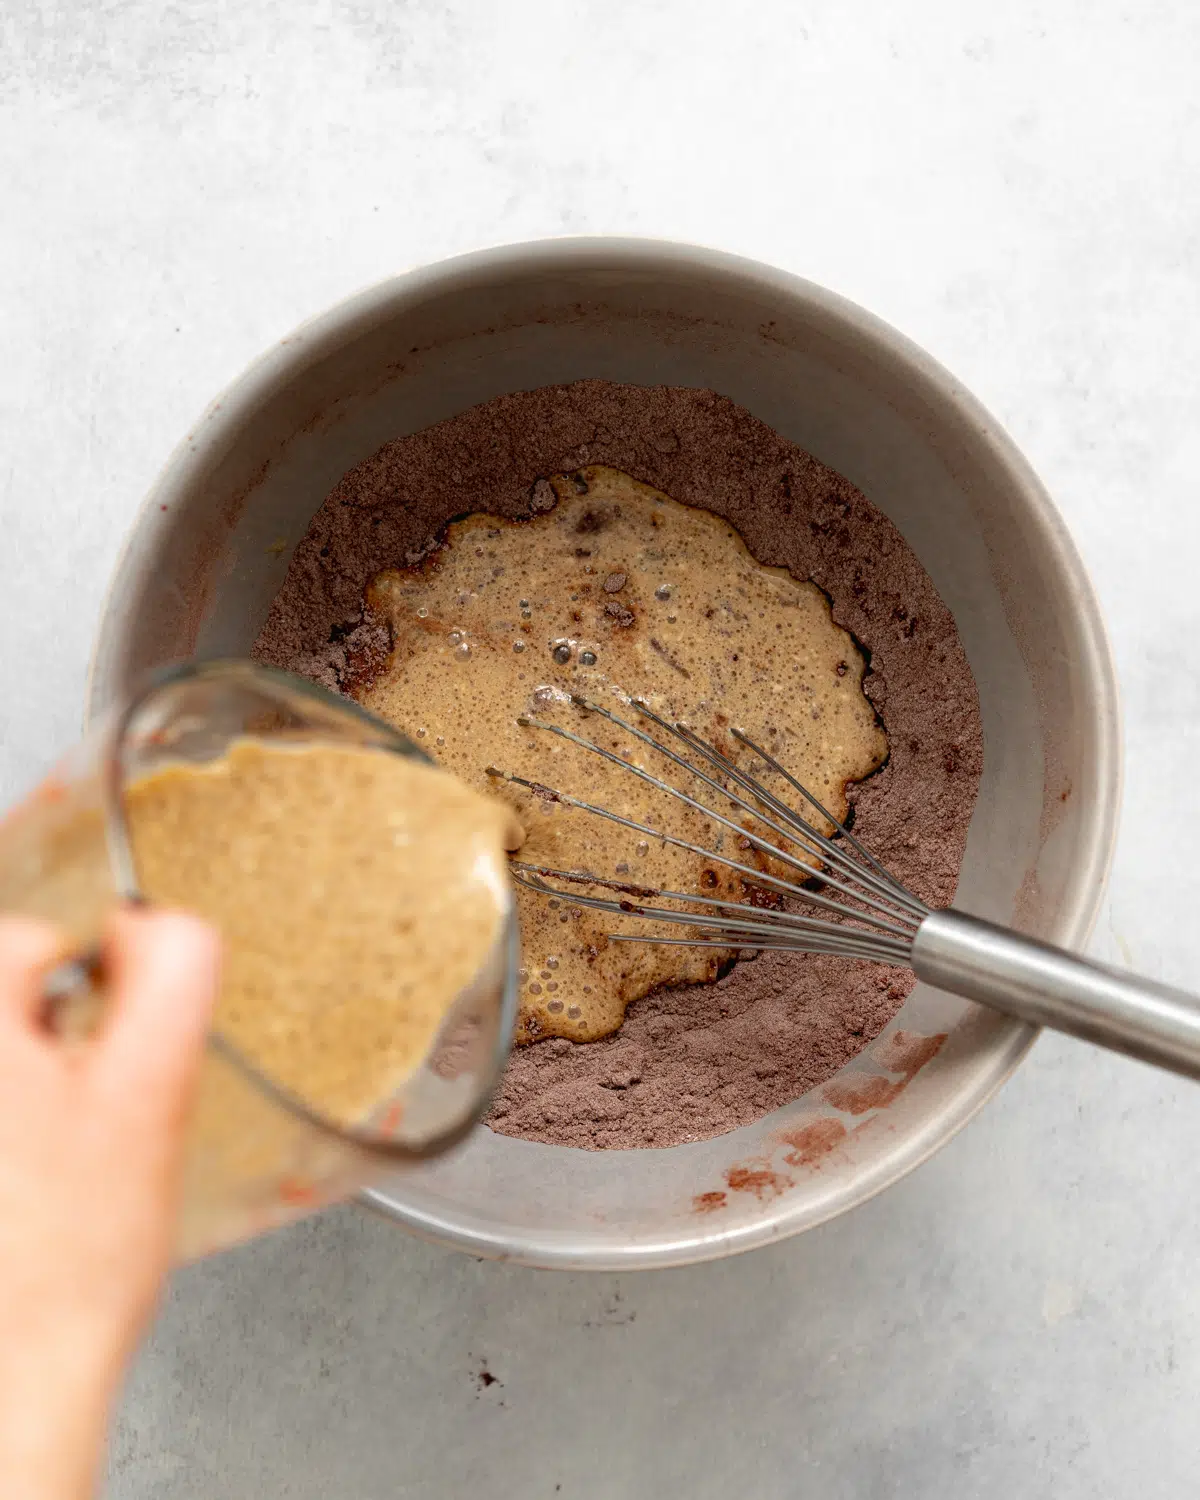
{"type": "Point", "coordinates": [694, 1061]}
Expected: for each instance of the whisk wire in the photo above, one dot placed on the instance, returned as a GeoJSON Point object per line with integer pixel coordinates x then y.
{"type": "Point", "coordinates": [798, 825]}
{"type": "Point", "coordinates": [736, 932]}
{"type": "Point", "coordinates": [879, 925]}
{"type": "Point", "coordinates": [886, 906]}
{"type": "Point", "coordinates": [758, 877]}
{"type": "Point", "coordinates": [768, 921]}
{"type": "Point", "coordinates": [825, 813]}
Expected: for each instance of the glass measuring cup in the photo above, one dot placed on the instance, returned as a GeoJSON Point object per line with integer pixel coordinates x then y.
{"type": "Point", "coordinates": [257, 1153]}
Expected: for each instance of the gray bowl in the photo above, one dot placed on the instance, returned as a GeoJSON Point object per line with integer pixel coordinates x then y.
{"type": "Point", "coordinates": [199, 573]}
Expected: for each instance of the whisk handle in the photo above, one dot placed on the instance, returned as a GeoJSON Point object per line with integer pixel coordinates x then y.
{"type": "Point", "coordinates": [1037, 982]}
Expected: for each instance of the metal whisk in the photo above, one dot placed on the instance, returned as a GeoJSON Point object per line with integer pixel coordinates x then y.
{"type": "Point", "coordinates": [869, 914]}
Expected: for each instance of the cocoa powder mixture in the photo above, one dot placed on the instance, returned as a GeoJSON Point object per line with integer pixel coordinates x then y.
{"type": "Point", "coordinates": [692, 1062]}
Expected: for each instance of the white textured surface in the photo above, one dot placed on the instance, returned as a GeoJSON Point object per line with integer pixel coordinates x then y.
{"type": "Point", "coordinates": [1015, 187]}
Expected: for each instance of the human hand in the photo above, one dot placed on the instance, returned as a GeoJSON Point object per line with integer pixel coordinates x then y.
{"type": "Point", "coordinates": [90, 1154]}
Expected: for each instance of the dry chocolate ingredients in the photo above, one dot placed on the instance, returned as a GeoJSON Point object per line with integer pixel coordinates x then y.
{"type": "Point", "coordinates": [696, 1061]}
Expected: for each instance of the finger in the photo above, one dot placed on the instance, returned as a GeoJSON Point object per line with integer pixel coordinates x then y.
{"type": "Point", "coordinates": [28, 948]}
{"type": "Point", "coordinates": [163, 971]}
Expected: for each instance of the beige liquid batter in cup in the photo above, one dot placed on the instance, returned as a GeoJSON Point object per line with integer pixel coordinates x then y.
{"type": "Point", "coordinates": [358, 894]}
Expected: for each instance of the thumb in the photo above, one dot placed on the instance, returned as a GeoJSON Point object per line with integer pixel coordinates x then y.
{"type": "Point", "coordinates": [163, 970]}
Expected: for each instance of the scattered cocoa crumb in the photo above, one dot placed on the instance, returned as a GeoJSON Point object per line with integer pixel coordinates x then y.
{"type": "Point", "coordinates": [542, 496]}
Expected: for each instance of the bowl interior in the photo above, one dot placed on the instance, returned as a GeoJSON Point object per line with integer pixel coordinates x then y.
{"type": "Point", "coordinates": [204, 563]}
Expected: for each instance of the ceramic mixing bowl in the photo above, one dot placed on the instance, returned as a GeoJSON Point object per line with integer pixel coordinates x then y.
{"type": "Point", "coordinates": [202, 566]}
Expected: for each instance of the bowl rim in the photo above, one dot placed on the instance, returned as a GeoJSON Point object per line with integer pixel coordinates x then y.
{"type": "Point", "coordinates": [327, 330]}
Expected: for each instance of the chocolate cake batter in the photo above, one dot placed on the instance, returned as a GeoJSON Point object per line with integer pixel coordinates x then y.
{"type": "Point", "coordinates": [692, 1062]}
